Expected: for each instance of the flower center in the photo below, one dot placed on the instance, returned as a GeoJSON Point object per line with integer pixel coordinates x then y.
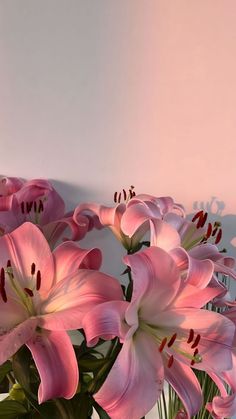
{"type": "Point", "coordinates": [172, 342]}
{"type": "Point", "coordinates": [24, 294]}
{"type": "Point", "coordinates": [33, 209]}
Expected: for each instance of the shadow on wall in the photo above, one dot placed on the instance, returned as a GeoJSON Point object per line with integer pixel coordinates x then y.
{"type": "Point", "coordinates": [216, 210]}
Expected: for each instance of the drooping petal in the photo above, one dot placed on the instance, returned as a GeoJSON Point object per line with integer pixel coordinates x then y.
{"type": "Point", "coordinates": [24, 246]}
{"type": "Point", "coordinates": [105, 321]}
{"type": "Point", "coordinates": [191, 296]}
{"type": "Point", "coordinates": [74, 296]}
{"type": "Point", "coordinates": [69, 257]}
{"type": "Point", "coordinates": [11, 341]}
{"type": "Point", "coordinates": [56, 362]}
{"type": "Point", "coordinates": [156, 280]}
{"type": "Point", "coordinates": [184, 382]}
{"type": "Point", "coordinates": [135, 381]}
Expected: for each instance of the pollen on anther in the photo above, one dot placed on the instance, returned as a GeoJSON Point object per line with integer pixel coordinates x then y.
{"type": "Point", "coordinates": [29, 292]}
{"type": "Point", "coordinates": [191, 336]}
{"type": "Point", "coordinates": [2, 278]}
{"type": "Point", "coordinates": [38, 280]}
{"type": "Point", "coordinates": [3, 294]}
{"type": "Point", "coordinates": [196, 341]}
{"type": "Point", "coordinates": [115, 197]}
{"type": "Point", "coordinates": [125, 194]}
{"type": "Point", "coordinates": [33, 268]}
{"type": "Point", "coordinates": [22, 207]}
{"type": "Point", "coordinates": [119, 198]}
{"type": "Point", "coordinates": [35, 206]}
{"type": "Point", "coordinates": [41, 207]}
{"type": "Point", "coordinates": [218, 237]}
{"type": "Point", "coordinates": [172, 340]}
{"type": "Point", "coordinates": [170, 361]}
{"type": "Point", "coordinates": [197, 215]}
{"type": "Point", "coordinates": [162, 345]}
{"type": "Point", "coordinates": [203, 220]}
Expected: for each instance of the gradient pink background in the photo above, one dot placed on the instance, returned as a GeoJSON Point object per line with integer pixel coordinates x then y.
{"type": "Point", "coordinates": [98, 95]}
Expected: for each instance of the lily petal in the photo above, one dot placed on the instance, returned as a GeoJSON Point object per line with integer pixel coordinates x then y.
{"type": "Point", "coordinates": [185, 383]}
{"type": "Point", "coordinates": [135, 381]}
{"type": "Point", "coordinates": [55, 360]}
{"type": "Point", "coordinates": [164, 235]}
{"type": "Point", "coordinates": [74, 296]}
{"type": "Point", "coordinates": [69, 257]}
{"type": "Point", "coordinates": [36, 250]}
{"type": "Point", "coordinates": [11, 341]}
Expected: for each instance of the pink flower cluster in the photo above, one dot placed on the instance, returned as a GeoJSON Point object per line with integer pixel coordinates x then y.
{"type": "Point", "coordinates": [161, 319]}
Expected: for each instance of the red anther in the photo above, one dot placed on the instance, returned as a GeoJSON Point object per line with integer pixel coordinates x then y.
{"type": "Point", "coordinates": [119, 197]}
{"type": "Point", "coordinates": [195, 352]}
{"type": "Point", "coordinates": [115, 197]}
{"type": "Point", "coordinates": [214, 231]}
{"type": "Point", "coordinates": [218, 237]}
{"type": "Point", "coordinates": [38, 280]}
{"type": "Point", "coordinates": [8, 263]}
{"type": "Point", "coordinates": [204, 218]}
{"type": "Point", "coordinates": [172, 340]}
{"type": "Point", "coordinates": [41, 206]}
{"type": "Point", "coordinates": [197, 215]}
{"type": "Point", "coordinates": [125, 194]}
{"type": "Point", "coordinates": [22, 207]}
{"type": "Point", "coordinates": [162, 345]}
{"type": "Point", "coordinates": [33, 269]}
{"type": "Point", "coordinates": [133, 194]}
{"type": "Point", "coordinates": [29, 206]}
{"type": "Point", "coordinates": [131, 186]}
{"type": "Point", "coordinates": [2, 278]}
{"type": "Point", "coordinates": [192, 362]}
{"type": "Point", "coordinates": [196, 341]}
{"type": "Point", "coordinates": [29, 292]}
{"type": "Point", "coordinates": [170, 361]}
{"type": "Point", "coordinates": [191, 336]}
{"type": "Point", "coordinates": [209, 230]}
{"type": "Point", "coordinates": [35, 206]}
{"type": "Point", "coordinates": [3, 294]}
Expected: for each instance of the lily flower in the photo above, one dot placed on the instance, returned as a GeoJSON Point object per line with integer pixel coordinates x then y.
{"type": "Point", "coordinates": [38, 202]}
{"type": "Point", "coordinates": [162, 339]}
{"type": "Point", "coordinates": [44, 294]}
{"type": "Point", "coordinates": [137, 209]}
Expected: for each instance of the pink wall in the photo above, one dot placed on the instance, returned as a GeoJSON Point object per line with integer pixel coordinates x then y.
{"type": "Point", "coordinates": [103, 94]}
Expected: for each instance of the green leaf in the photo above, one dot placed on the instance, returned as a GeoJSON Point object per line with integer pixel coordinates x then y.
{"type": "Point", "coordinates": [100, 411]}
{"type": "Point", "coordinates": [5, 369]}
{"type": "Point", "coordinates": [10, 409]}
{"type": "Point", "coordinates": [24, 371]}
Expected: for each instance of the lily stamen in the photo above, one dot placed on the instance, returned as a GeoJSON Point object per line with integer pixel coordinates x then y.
{"type": "Point", "coordinates": [191, 336]}
{"type": "Point", "coordinates": [170, 361]}
{"type": "Point", "coordinates": [172, 340]}
{"type": "Point", "coordinates": [33, 267]}
{"type": "Point", "coordinates": [162, 345]}
{"type": "Point", "coordinates": [29, 292]}
{"type": "Point", "coordinates": [38, 280]}
{"type": "Point", "coordinates": [196, 341]}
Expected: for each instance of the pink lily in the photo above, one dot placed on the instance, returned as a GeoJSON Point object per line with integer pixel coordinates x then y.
{"type": "Point", "coordinates": [137, 208]}
{"type": "Point", "coordinates": [38, 202]}
{"type": "Point", "coordinates": [44, 294]}
{"type": "Point", "coordinates": [8, 186]}
{"type": "Point", "coordinates": [162, 339]}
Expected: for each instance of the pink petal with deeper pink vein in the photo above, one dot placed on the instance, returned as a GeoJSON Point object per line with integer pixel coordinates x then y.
{"type": "Point", "coordinates": [215, 331]}
{"type": "Point", "coordinates": [24, 246]}
{"type": "Point", "coordinates": [156, 279]}
{"type": "Point", "coordinates": [185, 383]}
{"type": "Point", "coordinates": [56, 362]}
{"type": "Point", "coordinates": [15, 338]}
{"type": "Point", "coordinates": [106, 321]}
{"type": "Point", "coordinates": [135, 381]}
{"type": "Point", "coordinates": [71, 298]}
{"type": "Point", "coordinates": [164, 235]}
{"type": "Point", "coordinates": [69, 257]}
{"type": "Point", "coordinates": [136, 215]}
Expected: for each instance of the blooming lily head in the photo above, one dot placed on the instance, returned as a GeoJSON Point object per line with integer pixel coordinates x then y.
{"type": "Point", "coordinates": [38, 202]}
{"type": "Point", "coordinates": [44, 294]}
{"type": "Point", "coordinates": [163, 338]}
{"type": "Point", "coordinates": [129, 220]}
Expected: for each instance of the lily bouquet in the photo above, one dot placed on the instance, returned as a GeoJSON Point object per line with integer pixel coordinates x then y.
{"type": "Point", "coordinates": [167, 336]}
